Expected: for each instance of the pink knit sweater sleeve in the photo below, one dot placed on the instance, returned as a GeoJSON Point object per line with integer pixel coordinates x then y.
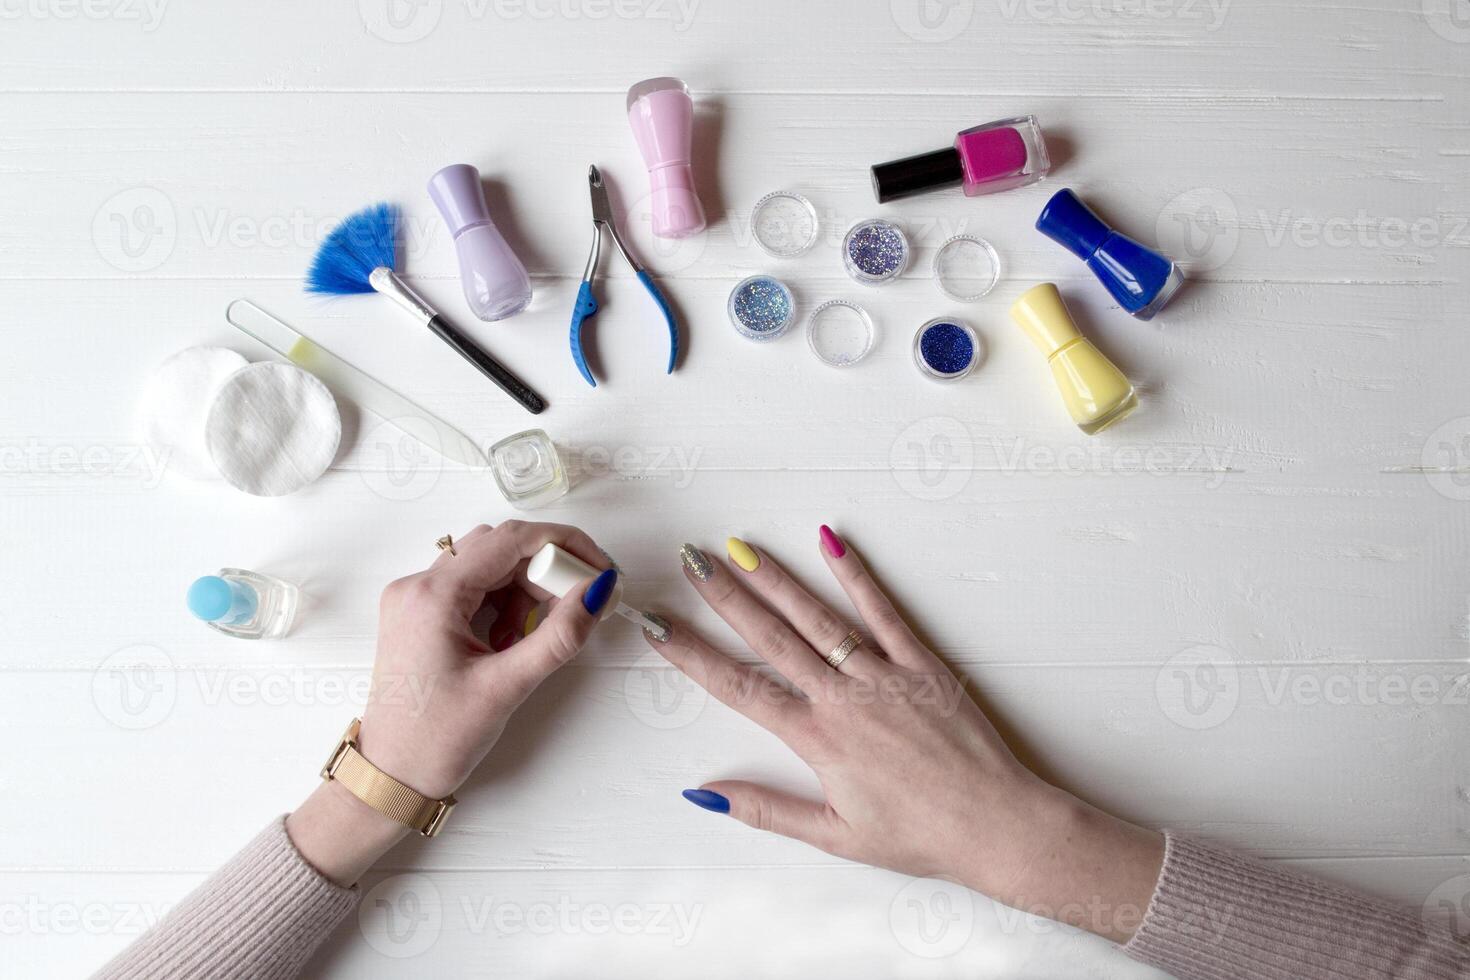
{"type": "Point", "coordinates": [1216, 915]}
{"type": "Point", "coordinates": [260, 917]}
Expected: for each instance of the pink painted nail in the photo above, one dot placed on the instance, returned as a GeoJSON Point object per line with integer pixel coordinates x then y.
{"type": "Point", "coordinates": [832, 542]}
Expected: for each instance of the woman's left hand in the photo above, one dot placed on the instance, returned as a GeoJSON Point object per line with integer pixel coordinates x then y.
{"type": "Point", "coordinates": [914, 776]}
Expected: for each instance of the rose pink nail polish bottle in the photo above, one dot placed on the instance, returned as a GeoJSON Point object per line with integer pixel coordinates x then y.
{"type": "Point", "coordinates": [662, 116]}
{"type": "Point", "coordinates": [994, 157]}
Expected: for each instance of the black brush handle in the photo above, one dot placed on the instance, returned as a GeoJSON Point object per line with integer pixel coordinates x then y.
{"type": "Point", "coordinates": [489, 366]}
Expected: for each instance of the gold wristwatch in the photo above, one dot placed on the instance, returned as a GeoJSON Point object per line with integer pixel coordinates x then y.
{"type": "Point", "coordinates": [381, 791]}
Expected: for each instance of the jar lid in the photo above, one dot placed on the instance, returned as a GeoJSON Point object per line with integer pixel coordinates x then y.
{"type": "Point", "coordinates": [966, 268]}
{"type": "Point", "coordinates": [784, 224]}
{"type": "Point", "coordinates": [840, 333]}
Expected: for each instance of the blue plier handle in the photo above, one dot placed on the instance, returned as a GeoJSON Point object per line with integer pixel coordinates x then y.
{"type": "Point", "coordinates": [586, 306]}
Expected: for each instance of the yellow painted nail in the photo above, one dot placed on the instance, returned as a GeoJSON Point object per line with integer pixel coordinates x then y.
{"type": "Point", "coordinates": [533, 619]}
{"type": "Point", "coordinates": [743, 554]}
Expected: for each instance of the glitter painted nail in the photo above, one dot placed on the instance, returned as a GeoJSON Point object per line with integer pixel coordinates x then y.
{"type": "Point", "coordinates": [875, 251]}
{"type": "Point", "coordinates": [761, 308]}
{"type": "Point", "coordinates": [697, 562]}
{"type": "Point", "coordinates": [656, 627]}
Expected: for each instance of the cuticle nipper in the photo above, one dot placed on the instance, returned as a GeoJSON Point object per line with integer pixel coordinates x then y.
{"type": "Point", "coordinates": [602, 221]}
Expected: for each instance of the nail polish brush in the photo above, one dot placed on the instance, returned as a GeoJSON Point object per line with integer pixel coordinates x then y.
{"type": "Point", "coordinates": [558, 572]}
{"type": "Point", "coordinates": [359, 256]}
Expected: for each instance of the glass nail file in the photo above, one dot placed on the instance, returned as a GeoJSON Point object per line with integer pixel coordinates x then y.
{"type": "Point", "coordinates": [350, 382]}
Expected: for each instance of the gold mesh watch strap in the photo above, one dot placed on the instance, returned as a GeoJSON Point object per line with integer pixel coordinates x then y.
{"type": "Point", "coordinates": [381, 791]}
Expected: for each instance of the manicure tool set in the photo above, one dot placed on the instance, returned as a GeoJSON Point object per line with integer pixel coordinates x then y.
{"type": "Point", "coordinates": [361, 256]}
{"type": "Point", "coordinates": [271, 428]}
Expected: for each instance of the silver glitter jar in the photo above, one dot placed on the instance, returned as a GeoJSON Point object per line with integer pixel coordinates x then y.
{"type": "Point", "coordinates": [761, 308]}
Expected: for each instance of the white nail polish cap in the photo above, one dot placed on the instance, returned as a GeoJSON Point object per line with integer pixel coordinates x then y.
{"type": "Point", "coordinates": [558, 572]}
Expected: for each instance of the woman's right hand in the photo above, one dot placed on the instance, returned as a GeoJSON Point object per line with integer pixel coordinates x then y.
{"type": "Point", "coordinates": [441, 696]}
{"type": "Point", "coordinates": [915, 777]}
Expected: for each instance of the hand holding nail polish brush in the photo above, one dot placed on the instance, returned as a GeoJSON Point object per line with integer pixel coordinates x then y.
{"type": "Point", "coordinates": [559, 571]}
{"type": "Point", "coordinates": [359, 256]}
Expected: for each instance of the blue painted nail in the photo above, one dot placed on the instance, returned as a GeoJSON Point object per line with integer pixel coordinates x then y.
{"type": "Point", "coordinates": [708, 799]}
{"type": "Point", "coordinates": [599, 591]}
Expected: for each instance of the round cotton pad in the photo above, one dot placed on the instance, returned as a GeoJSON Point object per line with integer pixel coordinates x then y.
{"type": "Point", "coordinates": [175, 405]}
{"type": "Point", "coordinates": [273, 429]}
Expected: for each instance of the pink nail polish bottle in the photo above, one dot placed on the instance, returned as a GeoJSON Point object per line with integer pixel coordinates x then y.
{"type": "Point", "coordinates": [994, 157]}
{"type": "Point", "coordinates": [662, 117]}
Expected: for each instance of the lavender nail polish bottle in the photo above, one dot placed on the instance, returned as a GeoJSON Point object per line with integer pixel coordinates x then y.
{"type": "Point", "coordinates": [495, 282]}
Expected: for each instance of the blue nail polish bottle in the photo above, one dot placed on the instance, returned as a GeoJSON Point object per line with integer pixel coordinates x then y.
{"type": "Point", "coordinates": [1140, 279]}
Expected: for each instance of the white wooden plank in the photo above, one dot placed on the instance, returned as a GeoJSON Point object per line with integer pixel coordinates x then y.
{"type": "Point", "coordinates": [1300, 379]}
{"type": "Point", "coordinates": [1287, 761]}
{"type": "Point", "coordinates": [221, 184]}
{"type": "Point", "coordinates": [1208, 49]}
{"type": "Point", "coordinates": [1046, 568]}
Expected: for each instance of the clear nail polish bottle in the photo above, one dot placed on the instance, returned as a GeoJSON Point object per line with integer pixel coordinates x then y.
{"type": "Point", "coordinates": [244, 604]}
{"type": "Point", "coordinates": [528, 469]}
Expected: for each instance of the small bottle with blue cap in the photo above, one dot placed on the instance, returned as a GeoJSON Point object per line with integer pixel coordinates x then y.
{"type": "Point", "coordinates": [245, 604]}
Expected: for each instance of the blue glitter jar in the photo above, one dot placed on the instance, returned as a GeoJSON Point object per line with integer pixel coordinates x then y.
{"type": "Point", "coordinates": [875, 251]}
{"type": "Point", "coordinates": [946, 349]}
{"type": "Point", "coordinates": [761, 308]}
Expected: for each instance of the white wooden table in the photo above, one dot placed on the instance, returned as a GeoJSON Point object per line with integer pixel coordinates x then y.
{"type": "Point", "coordinates": [1241, 614]}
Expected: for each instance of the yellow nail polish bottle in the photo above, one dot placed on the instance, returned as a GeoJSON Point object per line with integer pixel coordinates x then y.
{"type": "Point", "coordinates": [1096, 392]}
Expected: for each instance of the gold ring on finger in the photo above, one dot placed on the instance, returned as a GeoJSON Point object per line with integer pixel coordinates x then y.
{"type": "Point", "coordinates": [843, 650]}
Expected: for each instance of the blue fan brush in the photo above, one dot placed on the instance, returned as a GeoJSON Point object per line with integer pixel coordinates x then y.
{"type": "Point", "coordinates": [359, 256]}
